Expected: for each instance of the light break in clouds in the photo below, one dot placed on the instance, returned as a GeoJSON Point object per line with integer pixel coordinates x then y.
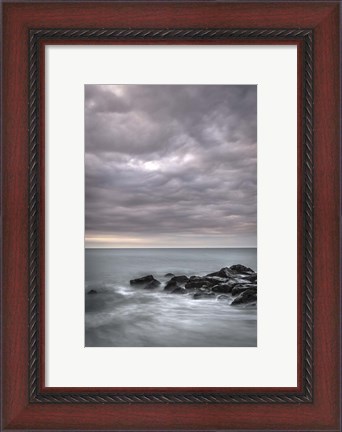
{"type": "Point", "coordinates": [171, 165]}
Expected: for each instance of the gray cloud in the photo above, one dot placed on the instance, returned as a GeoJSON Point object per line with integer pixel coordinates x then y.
{"type": "Point", "coordinates": [171, 165]}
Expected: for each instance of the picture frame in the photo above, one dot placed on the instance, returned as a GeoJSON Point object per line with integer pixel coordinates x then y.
{"type": "Point", "coordinates": [27, 403]}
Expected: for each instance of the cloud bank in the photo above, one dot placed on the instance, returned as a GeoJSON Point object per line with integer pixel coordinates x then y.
{"type": "Point", "coordinates": [170, 166]}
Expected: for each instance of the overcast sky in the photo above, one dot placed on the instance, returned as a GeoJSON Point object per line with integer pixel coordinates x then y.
{"type": "Point", "coordinates": [170, 166]}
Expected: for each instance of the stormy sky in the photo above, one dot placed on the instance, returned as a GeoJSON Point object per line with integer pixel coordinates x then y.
{"type": "Point", "coordinates": [170, 165]}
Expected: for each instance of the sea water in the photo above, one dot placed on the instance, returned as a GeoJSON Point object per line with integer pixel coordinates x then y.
{"type": "Point", "coordinates": [120, 315]}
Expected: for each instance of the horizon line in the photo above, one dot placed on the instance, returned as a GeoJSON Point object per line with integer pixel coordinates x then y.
{"type": "Point", "coordinates": [177, 247]}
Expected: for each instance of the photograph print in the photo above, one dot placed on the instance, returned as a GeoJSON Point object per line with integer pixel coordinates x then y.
{"type": "Point", "coordinates": [170, 215]}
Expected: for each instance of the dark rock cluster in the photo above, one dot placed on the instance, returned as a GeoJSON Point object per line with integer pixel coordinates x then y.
{"type": "Point", "coordinates": [236, 285]}
{"type": "Point", "coordinates": [148, 282]}
{"type": "Point", "coordinates": [92, 291]}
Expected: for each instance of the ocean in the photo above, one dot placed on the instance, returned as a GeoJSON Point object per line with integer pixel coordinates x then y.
{"type": "Point", "coordinates": [120, 315]}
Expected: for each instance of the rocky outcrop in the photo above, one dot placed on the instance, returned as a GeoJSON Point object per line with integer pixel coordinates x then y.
{"type": "Point", "coordinates": [216, 279]}
{"type": "Point", "coordinates": [152, 285]}
{"type": "Point", "coordinates": [223, 297]}
{"type": "Point", "coordinates": [179, 279]}
{"type": "Point", "coordinates": [241, 269]}
{"type": "Point", "coordinates": [223, 273]}
{"type": "Point", "coordinates": [199, 282]}
{"type": "Point", "coordinates": [92, 291]}
{"type": "Point", "coordinates": [170, 286]}
{"type": "Point", "coordinates": [252, 278]}
{"type": "Point", "coordinates": [235, 285]}
{"type": "Point", "coordinates": [179, 290]}
{"type": "Point", "coordinates": [147, 281]}
{"type": "Point", "coordinates": [204, 295]}
{"type": "Point", "coordinates": [240, 288]}
{"type": "Point", "coordinates": [224, 288]}
{"type": "Point", "coordinates": [248, 296]}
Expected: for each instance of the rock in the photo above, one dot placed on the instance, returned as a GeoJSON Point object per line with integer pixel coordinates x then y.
{"type": "Point", "coordinates": [171, 285]}
{"type": "Point", "coordinates": [223, 297]}
{"type": "Point", "coordinates": [239, 268]}
{"type": "Point", "coordinates": [152, 285]}
{"type": "Point", "coordinates": [245, 277]}
{"type": "Point", "coordinates": [179, 279]}
{"type": "Point", "coordinates": [252, 278]}
{"type": "Point", "coordinates": [195, 279]}
{"type": "Point", "coordinates": [92, 291]}
{"type": "Point", "coordinates": [144, 280]}
{"type": "Point", "coordinates": [248, 296]}
{"type": "Point", "coordinates": [198, 283]}
{"type": "Point", "coordinates": [223, 273]}
{"type": "Point", "coordinates": [216, 279]}
{"type": "Point", "coordinates": [240, 280]}
{"type": "Point", "coordinates": [237, 280]}
{"type": "Point", "coordinates": [223, 288]}
{"type": "Point", "coordinates": [203, 290]}
{"type": "Point", "coordinates": [204, 295]}
{"type": "Point", "coordinates": [179, 290]}
{"type": "Point", "coordinates": [238, 289]}
{"type": "Point", "coordinates": [215, 274]}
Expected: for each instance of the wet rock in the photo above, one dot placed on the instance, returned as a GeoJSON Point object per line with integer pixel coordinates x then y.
{"type": "Point", "coordinates": [179, 279]}
{"type": "Point", "coordinates": [179, 290]}
{"type": "Point", "coordinates": [248, 296]}
{"type": "Point", "coordinates": [223, 288]}
{"type": "Point", "coordinates": [92, 291]}
{"type": "Point", "coordinates": [252, 278]}
{"type": "Point", "coordinates": [171, 285]}
{"type": "Point", "coordinates": [223, 273]}
{"type": "Point", "coordinates": [144, 280]}
{"type": "Point", "coordinates": [240, 288]}
{"type": "Point", "coordinates": [152, 285]}
{"type": "Point", "coordinates": [223, 297]}
{"type": "Point", "coordinates": [204, 295]}
{"type": "Point", "coordinates": [240, 280]}
{"type": "Point", "coordinates": [241, 269]}
{"type": "Point", "coordinates": [198, 283]}
{"type": "Point", "coordinates": [216, 279]}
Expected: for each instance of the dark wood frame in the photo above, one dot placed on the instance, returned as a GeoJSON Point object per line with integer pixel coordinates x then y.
{"type": "Point", "coordinates": [27, 403]}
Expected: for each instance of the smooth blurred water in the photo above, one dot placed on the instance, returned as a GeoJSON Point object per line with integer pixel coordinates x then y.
{"type": "Point", "coordinates": [124, 316]}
